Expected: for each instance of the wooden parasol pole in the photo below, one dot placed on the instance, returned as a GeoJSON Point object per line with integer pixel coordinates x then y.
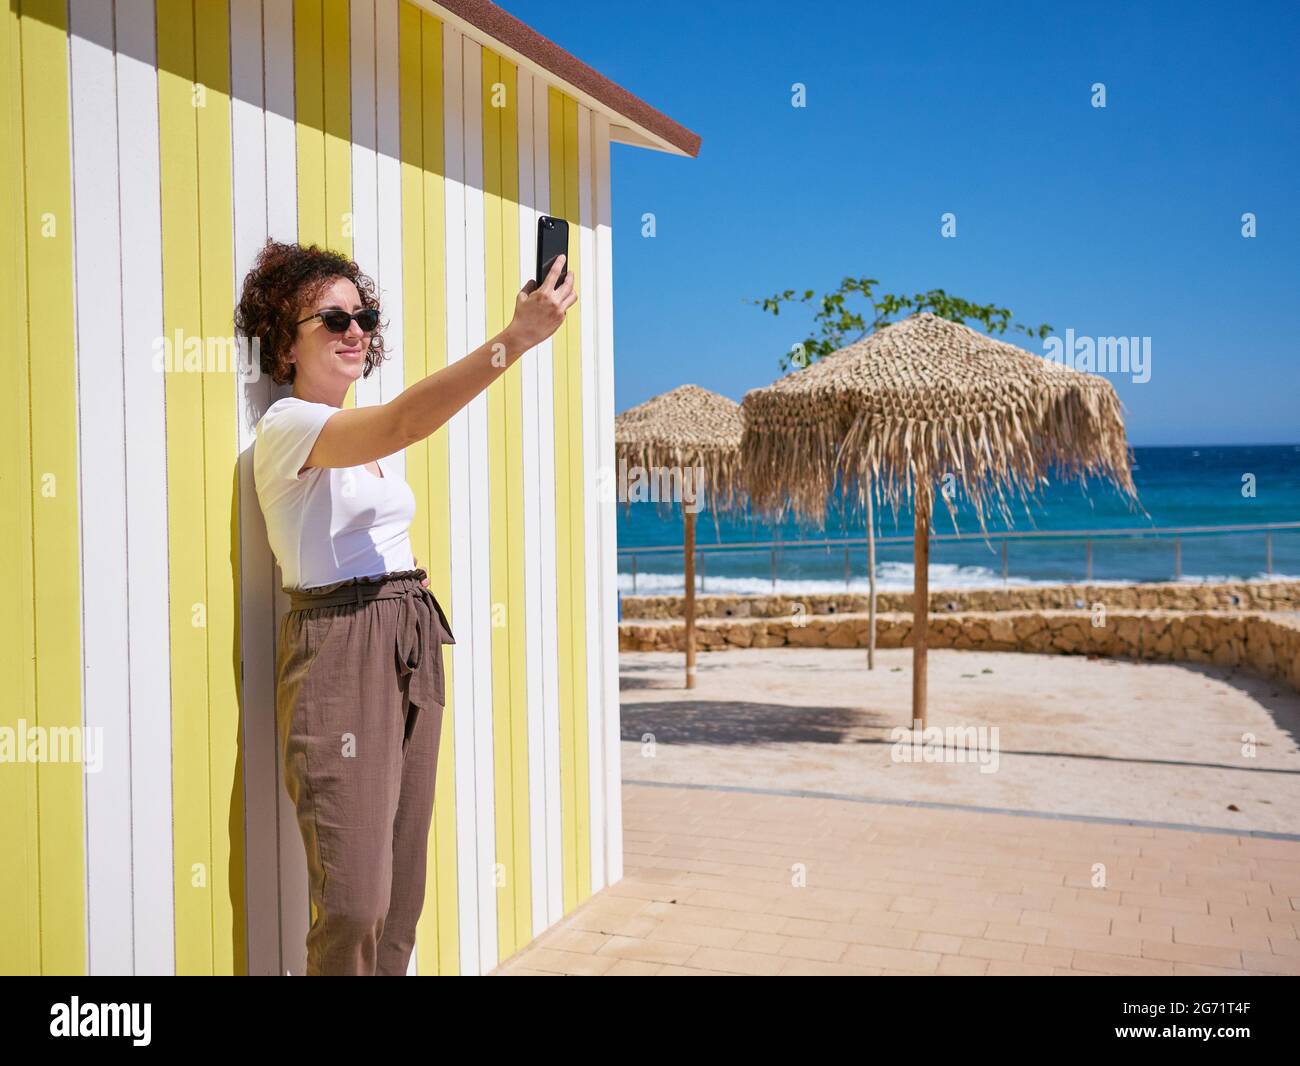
{"type": "Point", "coordinates": [689, 549]}
{"type": "Point", "coordinates": [920, 608]}
{"type": "Point", "coordinates": [871, 583]}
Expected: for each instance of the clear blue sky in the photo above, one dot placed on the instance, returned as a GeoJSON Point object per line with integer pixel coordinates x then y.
{"type": "Point", "coordinates": [1116, 222]}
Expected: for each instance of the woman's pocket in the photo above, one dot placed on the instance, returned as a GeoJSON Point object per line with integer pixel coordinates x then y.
{"type": "Point", "coordinates": [294, 656]}
{"type": "Point", "coordinates": [300, 686]}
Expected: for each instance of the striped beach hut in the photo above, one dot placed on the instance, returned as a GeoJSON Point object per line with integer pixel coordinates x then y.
{"type": "Point", "coordinates": [152, 148]}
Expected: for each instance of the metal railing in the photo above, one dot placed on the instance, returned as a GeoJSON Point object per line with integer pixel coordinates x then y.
{"type": "Point", "coordinates": [775, 548]}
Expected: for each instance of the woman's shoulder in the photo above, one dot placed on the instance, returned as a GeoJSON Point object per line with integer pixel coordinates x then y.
{"type": "Point", "coordinates": [284, 438]}
{"type": "Point", "coordinates": [284, 403]}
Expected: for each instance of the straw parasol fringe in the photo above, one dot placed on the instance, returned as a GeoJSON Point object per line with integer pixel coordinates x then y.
{"type": "Point", "coordinates": [722, 479]}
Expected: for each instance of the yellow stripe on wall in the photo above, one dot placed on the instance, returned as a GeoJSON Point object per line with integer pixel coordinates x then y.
{"type": "Point", "coordinates": [570, 560]}
{"type": "Point", "coordinates": [221, 489]}
{"type": "Point", "coordinates": [513, 383]}
{"type": "Point", "coordinates": [309, 120]}
{"type": "Point", "coordinates": [415, 287]}
{"type": "Point", "coordinates": [41, 539]}
{"type": "Point", "coordinates": [506, 475]}
{"type": "Point", "coordinates": [202, 518]}
{"type": "Point", "coordinates": [323, 119]}
{"type": "Point", "coordinates": [424, 288]}
{"type": "Point", "coordinates": [19, 873]}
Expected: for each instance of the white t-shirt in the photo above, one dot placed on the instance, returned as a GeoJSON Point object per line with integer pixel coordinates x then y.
{"type": "Point", "coordinates": [329, 523]}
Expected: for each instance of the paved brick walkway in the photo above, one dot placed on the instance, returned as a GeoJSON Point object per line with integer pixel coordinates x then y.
{"type": "Point", "coordinates": [743, 882]}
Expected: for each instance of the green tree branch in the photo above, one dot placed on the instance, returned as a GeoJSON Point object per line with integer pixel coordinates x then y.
{"type": "Point", "coordinates": [840, 326]}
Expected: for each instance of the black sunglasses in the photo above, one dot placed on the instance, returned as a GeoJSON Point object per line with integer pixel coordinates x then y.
{"type": "Point", "coordinates": [336, 320]}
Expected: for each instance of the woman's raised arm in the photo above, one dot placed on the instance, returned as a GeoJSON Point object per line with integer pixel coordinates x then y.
{"type": "Point", "coordinates": [358, 435]}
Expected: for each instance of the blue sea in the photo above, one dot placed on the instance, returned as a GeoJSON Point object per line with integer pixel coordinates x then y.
{"type": "Point", "coordinates": [1177, 487]}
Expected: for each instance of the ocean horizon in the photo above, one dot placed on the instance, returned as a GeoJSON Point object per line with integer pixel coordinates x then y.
{"type": "Point", "coordinates": [1178, 486]}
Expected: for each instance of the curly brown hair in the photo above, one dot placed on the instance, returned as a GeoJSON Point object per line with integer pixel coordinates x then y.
{"type": "Point", "coordinates": [285, 278]}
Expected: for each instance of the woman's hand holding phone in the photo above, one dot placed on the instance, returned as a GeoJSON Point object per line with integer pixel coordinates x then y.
{"type": "Point", "coordinates": [539, 309]}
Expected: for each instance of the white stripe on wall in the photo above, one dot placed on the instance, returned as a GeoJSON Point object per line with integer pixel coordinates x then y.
{"type": "Point", "coordinates": [468, 767]}
{"type": "Point", "coordinates": [281, 138]}
{"type": "Point", "coordinates": [600, 282]}
{"type": "Point", "coordinates": [365, 188]}
{"type": "Point", "coordinates": [589, 487]}
{"type": "Point", "coordinates": [475, 458]}
{"type": "Point", "coordinates": [140, 188]}
{"type": "Point", "coordinates": [102, 484]}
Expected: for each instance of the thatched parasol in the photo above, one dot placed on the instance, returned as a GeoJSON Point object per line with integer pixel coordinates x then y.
{"type": "Point", "coordinates": [686, 429]}
{"type": "Point", "coordinates": [926, 397]}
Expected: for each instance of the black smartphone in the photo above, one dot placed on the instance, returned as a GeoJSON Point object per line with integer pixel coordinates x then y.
{"type": "Point", "coordinates": [552, 240]}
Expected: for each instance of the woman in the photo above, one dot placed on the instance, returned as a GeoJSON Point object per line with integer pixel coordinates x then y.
{"type": "Point", "coordinates": [359, 671]}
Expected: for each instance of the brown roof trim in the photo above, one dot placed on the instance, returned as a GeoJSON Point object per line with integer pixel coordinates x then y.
{"type": "Point", "coordinates": [502, 26]}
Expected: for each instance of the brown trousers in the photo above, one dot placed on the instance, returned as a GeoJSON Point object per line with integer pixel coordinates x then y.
{"type": "Point", "coordinates": [359, 706]}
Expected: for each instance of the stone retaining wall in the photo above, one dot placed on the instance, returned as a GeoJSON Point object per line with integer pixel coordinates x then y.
{"type": "Point", "coordinates": [1266, 644]}
{"type": "Point", "coordinates": [1173, 596]}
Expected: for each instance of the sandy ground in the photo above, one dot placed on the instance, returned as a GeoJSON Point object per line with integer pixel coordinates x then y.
{"type": "Point", "coordinates": [1145, 741]}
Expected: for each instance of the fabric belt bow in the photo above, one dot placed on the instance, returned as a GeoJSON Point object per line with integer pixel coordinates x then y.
{"type": "Point", "coordinates": [420, 621]}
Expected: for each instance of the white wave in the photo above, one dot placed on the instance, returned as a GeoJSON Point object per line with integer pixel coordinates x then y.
{"type": "Point", "coordinates": [890, 577]}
